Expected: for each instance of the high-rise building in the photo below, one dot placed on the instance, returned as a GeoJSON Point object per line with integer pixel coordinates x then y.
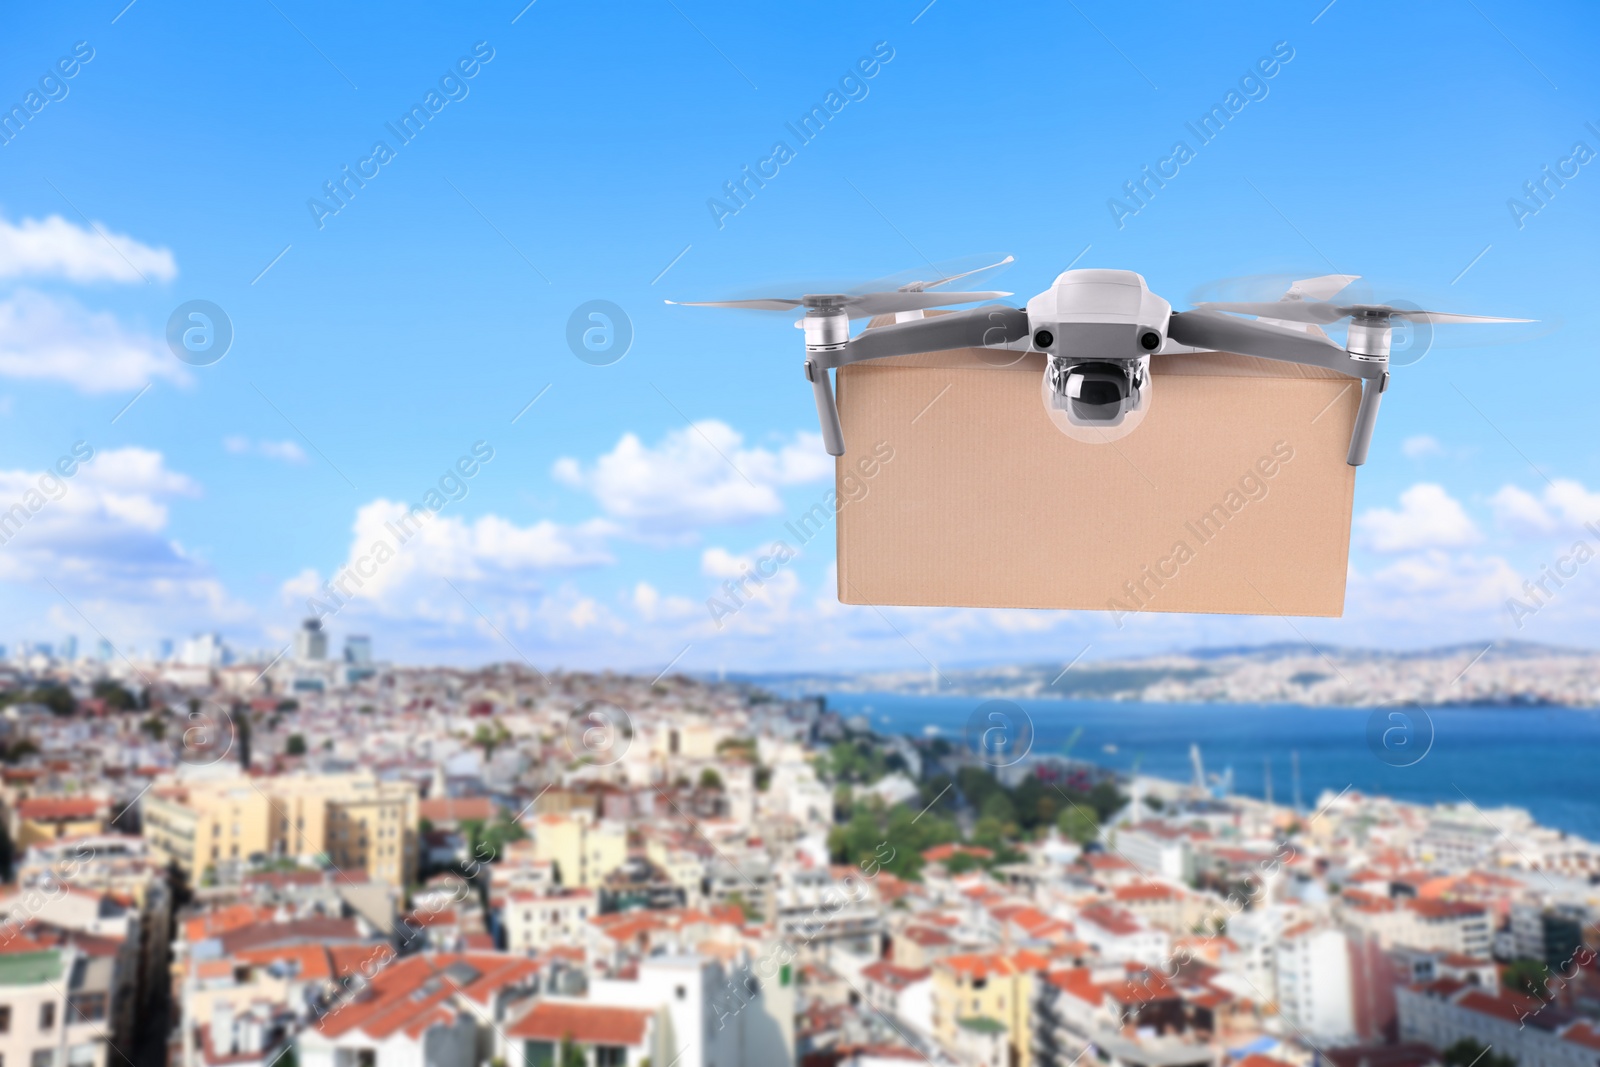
{"type": "Point", "coordinates": [358, 650]}
{"type": "Point", "coordinates": [310, 642]}
{"type": "Point", "coordinates": [202, 650]}
{"type": "Point", "coordinates": [69, 648]}
{"type": "Point", "coordinates": [164, 649]}
{"type": "Point", "coordinates": [104, 652]}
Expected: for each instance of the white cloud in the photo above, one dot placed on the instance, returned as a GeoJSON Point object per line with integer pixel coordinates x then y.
{"type": "Point", "coordinates": [1564, 502]}
{"type": "Point", "coordinates": [651, 606]}
{"type": "Point", "coordinates": [1421, 446]}
{"type": "Point", "coordinates": [1572, 501]}
{"type": "Point", "coordinates": [1428, 517]}
{"type": "Point", "coordinates": [1434, 586]}
{"type": "Point", "coordinates": [54, 247]}
{"type": "Point", "coordinates": [1520, 508]}
{"type": "Point", "coordinates": [698, 476]}
{"type": "Point", "coordinates": [99, 538]}
{"type": "Point", "coordinates": [400, 565]}
{"type": "Point", "coordinates": [56, 339]}
{"type": "Point", "coordinates": [288, 451]}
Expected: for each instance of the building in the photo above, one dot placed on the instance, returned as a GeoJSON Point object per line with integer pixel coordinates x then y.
{"type": "Point", "coordinates": [56, 1003]}
{"type": "Point", "coordinates": [901, 993]}
{"type": "Point", "coordinates": [116, 866]}
{"type": "Point", "coordinates": [310, 642]}
{"type": "Point", "coordinates": [584, 850]}
{"type": "Point", "coordinates": [604, 1036]}
{"type": "Point", "coordinates": [1158, 851]}
{"type": "Point", "coordinates": [1119, 936]}
{"type": "Point", "coordinates": [1314, 987]}
{"type": "Point", "coordinates": [1529, 1030]}
{"type": "Point", "coordinates": [435, 1009]}
{"type": "Point", "coordinates": [985, 985]}
{"type": "Point", "coordinates": [211, 828]}
{"type": "Point", "coordinates": [41, 819]}
{"type": "Point", "coordinates": [1126, 1016]}
{"type": "Point", "coordinates": [535, 921]}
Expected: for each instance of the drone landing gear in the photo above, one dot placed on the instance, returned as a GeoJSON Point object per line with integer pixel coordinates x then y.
{"type": "Point", "coordinates": [1372, 390]}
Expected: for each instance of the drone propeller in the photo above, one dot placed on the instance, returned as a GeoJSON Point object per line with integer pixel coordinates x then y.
{"type": "Point", "coordinates": [1323, 313]}
{"type": "Point", "coordinates": [861, 306]}
{"type": "Point", "coordinates": [918, 287]}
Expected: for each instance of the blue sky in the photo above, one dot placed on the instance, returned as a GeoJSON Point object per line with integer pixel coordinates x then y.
{"type": "Point", "coordinates": [374, 346]}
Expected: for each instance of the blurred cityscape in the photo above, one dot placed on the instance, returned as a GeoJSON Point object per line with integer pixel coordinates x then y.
{"type": "Point", "coordinates": [1490, 674]}
{"type": "Point", "coordinates": [326, 860]}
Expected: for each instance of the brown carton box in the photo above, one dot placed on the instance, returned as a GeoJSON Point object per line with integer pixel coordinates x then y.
{"type": "Point", "coordinates": [1232, 497]}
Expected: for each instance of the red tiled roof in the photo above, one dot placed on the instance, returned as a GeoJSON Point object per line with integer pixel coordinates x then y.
{"type": "Point", "coordinates": [1583, 1034]}
{"type": "Point", "coordinates": [885, 973]}
{"type": "Point", "coordinates": [587, 1024]}
{"type": "Point", "coordinates": [456, 809]}
{"type": "Point", "coordinates": [940, 853]}
{"type": "Point", "coordinates": [222, 920]}
{"type": "Point", "coordinates": [1110, 919]}
{"type": "Point", "coordinates": [1445, 909]}
{"type": "Point", "coordinates": [46, 809]}
{"type": "Point", "coordinates": [405, 990]}
{"type": "Point", "coordinates": [347, 960]}
{"type": "Point", "coordinates": [1511, 1007]}
{"type": "Point", "coordinates": [311, 961]}
{"type": "Point", "coordinates": [1145, 891]}
{"type": "Point", "coordinates": [921, 935]}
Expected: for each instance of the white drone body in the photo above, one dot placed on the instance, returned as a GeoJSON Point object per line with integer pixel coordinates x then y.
{"type": "Point", "coordinates": [1097, 330]}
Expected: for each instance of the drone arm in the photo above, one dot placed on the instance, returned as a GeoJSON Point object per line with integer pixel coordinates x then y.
{"type": "Point", "coordinates": [983, 327]}
{"type": "Point", "coordinates": [1220, 332]}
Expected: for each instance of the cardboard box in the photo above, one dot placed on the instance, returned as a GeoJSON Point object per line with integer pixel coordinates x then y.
{"type": "Point", "coordinates": [1232, 497]}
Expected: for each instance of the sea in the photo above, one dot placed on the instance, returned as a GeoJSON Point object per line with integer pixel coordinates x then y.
{"type": "Point", "coordinates": [1546, 760]}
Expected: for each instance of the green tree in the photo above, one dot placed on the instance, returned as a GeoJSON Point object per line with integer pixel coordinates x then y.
{"type": "Point", "coordinates": [486, 842]}
{"type": "Point", "coordinates": [990, 833]}
{"type": "Point", "coordinates": [490, 738]}
{"type": "Point", "coordinates": [736, 899]}
{"type": "Point", "coordinates": [1467, 1052]}
{"type": "Point", "coordinates": [295, 746]}
{"type": "Point", "coordinates": [1106, 799]}
{"type": "Point", "coordinates": [1531, 978]}
{"type": "Point", "coordinates": [114, 695]}
{"type": "Point", "coordinates": [1078, 823]}
{"type": "Point", "coordinates": [961, 863]}
{"type": "Point", "coordinates": [710, 779]}
{"type": "Point", "coordinates": [998, 806]}
{"type": "Point", "coordinates": [57, 698]}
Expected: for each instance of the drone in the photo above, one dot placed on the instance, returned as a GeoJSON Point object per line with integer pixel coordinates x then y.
{"type": "Point", "coordinates": [1097, 330]}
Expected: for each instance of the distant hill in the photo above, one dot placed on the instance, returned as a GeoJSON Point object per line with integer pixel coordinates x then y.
{"type": "Point", "coordinates": [1488, 673]}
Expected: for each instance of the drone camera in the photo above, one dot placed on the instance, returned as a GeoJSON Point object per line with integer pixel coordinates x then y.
{"type": "Point", "coordinates": [1043, 339]}
{"type": "Point", "coordinates": [1149, 340]}
{"type": "Point", "coordinates": [1096, 400]}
